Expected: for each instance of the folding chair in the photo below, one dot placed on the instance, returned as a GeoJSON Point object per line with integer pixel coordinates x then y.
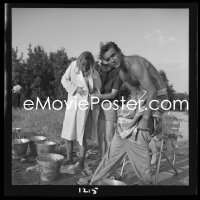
{"type": "Point", "coordinates": [124, 163]}
{"type": "Point", "coordinates": [170, 126]}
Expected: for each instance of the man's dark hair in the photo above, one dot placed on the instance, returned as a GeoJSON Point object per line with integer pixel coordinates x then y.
{"type": "Point", "coordinates": [104, 47]}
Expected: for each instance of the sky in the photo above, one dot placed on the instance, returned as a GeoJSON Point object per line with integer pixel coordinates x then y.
{"type": "Point", "coordinates": [160, 35]}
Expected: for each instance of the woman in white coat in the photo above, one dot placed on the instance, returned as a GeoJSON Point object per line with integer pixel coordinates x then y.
{"type": "Point", "coordinates": [80, 80]}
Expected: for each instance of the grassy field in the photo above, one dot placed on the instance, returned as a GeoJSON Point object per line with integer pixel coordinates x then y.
{"type": "Point", "coordinates": [49, 122]}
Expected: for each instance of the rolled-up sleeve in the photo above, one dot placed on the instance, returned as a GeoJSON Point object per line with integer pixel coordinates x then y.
{"type": "Point", "coordinates": [66, 80]}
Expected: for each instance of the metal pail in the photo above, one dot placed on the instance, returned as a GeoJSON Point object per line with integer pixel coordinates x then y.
{"type": "Point", "coordinates": [49, 165]}
{"type": "Point", "coordinates": [46, 147]}
{"type": "Point", "coordinates": [32, 144]}
{"type": "Point", "coordinates": [19, 148]}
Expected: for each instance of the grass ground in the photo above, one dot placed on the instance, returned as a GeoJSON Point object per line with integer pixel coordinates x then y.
{"type": "Point", "coordinates": [49, 122]}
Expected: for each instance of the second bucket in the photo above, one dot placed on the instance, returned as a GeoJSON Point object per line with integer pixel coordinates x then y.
{"type": "Point", "coordinates": [46, 147]}
{"type": "Point", "coordinates": [32, 144]}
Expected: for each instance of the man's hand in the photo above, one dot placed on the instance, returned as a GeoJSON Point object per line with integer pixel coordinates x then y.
{"type": "Point", "coordinates": [81, 91]}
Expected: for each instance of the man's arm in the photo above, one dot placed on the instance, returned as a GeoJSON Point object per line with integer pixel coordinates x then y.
{"type": "Point", "coordinates": [139, 72]}
{"type": "Point", "coordinates": [108, 96]}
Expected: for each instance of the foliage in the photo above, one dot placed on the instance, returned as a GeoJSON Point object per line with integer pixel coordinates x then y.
{"type": "Point", "coordinates": [172, 94]}
{"type": "Point", "coordinates": [170, 89]}
{"type": "Point", "coordinates": [182, 97]}
{"type": "Point", "coordinates": [40, 75]}
{"type": "Point", "coordinates": [59, 62]}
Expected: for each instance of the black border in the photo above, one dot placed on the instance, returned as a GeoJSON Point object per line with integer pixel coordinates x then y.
{"type": "Point", "coordinates": [72, 191]}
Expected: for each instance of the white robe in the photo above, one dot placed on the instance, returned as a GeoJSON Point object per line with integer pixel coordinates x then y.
{"type": "Point", "coordinates": [75, 115]}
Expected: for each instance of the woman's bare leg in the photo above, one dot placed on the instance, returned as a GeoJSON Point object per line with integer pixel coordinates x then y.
{"type": "Point", "coordinates": [82, 153]}
{"type": "Point", "coordinates": [69, 148]}
{"type": "Point", "coordinates": [101, 137]}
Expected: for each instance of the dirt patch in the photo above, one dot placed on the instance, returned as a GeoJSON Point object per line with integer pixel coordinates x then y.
{"type": "Point", "coordinates": [20, 175]}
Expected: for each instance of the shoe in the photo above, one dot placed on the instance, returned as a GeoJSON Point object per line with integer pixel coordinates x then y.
{"type": "Point", "coordinates": [84, 181]}
{"type": "Point", "coordinates": [71, 169]}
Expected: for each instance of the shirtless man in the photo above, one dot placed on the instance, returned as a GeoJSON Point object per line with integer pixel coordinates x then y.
{"type": "Point", "coordinates": [136, 71]}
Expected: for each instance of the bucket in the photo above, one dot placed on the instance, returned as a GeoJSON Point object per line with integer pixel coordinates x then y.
{"type": "Point", "coordinates": [19, 148]}
{"type": "Point", "coordinates": [32, 144]}
{"type": "Point", "coordinates": [49, 165]}
{"type": "Point", "coordinates": [46, 147]}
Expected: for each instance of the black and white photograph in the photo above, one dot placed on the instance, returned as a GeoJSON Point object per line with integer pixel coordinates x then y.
{"type": "Point", "coordinates": [99, 96]}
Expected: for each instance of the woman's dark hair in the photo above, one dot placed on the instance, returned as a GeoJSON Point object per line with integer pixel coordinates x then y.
{"type": "Point", "coordinates": [105, 47]}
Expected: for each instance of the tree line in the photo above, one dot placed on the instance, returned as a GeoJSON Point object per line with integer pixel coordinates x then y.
{"type": "Point", "coordinates": [40, 75]}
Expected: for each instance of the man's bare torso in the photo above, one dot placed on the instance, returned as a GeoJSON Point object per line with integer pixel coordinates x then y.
{"type": "Point", "coordinates": [128, 77]}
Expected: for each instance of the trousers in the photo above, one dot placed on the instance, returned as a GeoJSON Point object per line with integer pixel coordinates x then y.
{"type": "Point", "coordinates": [137, 152]}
